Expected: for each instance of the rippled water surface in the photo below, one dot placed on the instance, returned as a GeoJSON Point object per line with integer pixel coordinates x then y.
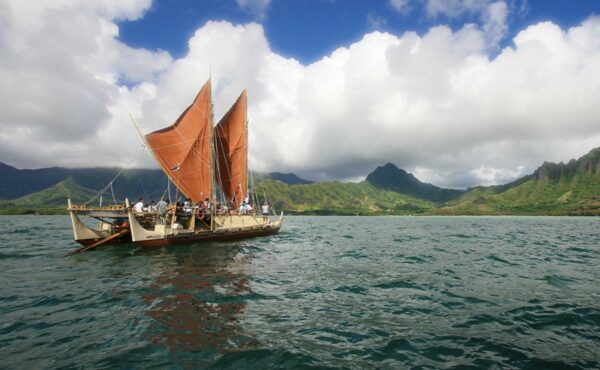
{"type": "Point", "coordinates": [349, 292]}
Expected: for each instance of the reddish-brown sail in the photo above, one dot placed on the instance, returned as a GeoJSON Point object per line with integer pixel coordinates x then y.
{"type": "Point", "coordinates": [183, 150]}
{"type": "Point", "coordinates": [231, 139]}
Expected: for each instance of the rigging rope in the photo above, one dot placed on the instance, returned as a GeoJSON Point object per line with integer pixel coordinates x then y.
{"type": "Point", "coordinates": [104, 189]}
{"type": "Point", "coordinates": [113, 193]}
{"type": "Point", "coordinates": [271, 206]}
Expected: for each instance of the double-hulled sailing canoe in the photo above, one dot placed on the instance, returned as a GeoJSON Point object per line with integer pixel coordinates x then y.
{"type": "Point", "coordinates": [202, 161]}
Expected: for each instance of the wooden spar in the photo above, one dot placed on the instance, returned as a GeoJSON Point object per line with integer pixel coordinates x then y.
{"type": "Point", "coordinates": [98, 243]}
{"type": "Point", "coordinates": [137, 128]}
{"type": "Point", "coordinates": [247, 184]}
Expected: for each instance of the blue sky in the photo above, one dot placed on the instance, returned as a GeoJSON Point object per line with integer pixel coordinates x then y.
{"type": "Point", "coordinates": [310, 29]}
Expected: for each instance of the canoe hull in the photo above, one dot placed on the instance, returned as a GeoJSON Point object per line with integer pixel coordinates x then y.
{"type": "Point", "coordinates": [160, 235]}
{"type": "Point", "coordinates": [188, 239]}
{"type": "Point", "coordinates": [196, 238]}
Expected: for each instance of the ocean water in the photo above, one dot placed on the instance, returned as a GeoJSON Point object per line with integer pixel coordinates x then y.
{"type": "Point", "coordinates": [326, 292]}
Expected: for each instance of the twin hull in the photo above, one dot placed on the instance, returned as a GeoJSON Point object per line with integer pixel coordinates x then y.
{"type": "Point", "coordinates": [225, 227]}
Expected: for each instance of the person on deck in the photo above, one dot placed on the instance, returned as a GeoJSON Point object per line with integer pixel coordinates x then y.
{"type": "Point", "coordinates": [265, 211]}
{"type": "Point", "coordinates": [161, 208]}
{"type": "Point", "coordinates": [188, 206]}
{"type": "Point", "coordinates": [139, 206]}
{"type": "Point", "coordinates": [249, 199]}
{"type": "Point", "coordinates": [204, 211]}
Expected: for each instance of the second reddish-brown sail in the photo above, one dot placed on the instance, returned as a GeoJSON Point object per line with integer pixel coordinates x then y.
{"type": "Point", "coordinates": [231, 140]}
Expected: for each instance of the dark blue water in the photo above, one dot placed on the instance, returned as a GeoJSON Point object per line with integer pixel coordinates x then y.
{"type": "Point", "coordinates": [340, 292]}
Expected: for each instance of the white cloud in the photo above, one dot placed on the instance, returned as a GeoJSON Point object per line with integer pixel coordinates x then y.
{"type": "Point", "coordinates": [257, 7]}
{"type": "Point", "coordinates": [493, 176]}
{"type": "Point", "coordinates": [435, 104]}
{"type": "Point", "coordinates": [59, 66]}
{"type": "Point", "coordinates": [493, 15]}
{"type": "Point", "coordinates": [495, 22]}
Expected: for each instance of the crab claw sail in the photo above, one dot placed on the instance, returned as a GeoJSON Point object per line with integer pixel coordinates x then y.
{"type": "Point", "coordinates": [231, 146]}
{"type": "Point", "coordinates": [183, 149]}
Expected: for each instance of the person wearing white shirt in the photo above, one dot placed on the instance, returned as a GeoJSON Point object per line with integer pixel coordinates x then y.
{"type": "Point", "coordinates": [152, 206]}
{"type": "Point", "coordinates": [139, 206]}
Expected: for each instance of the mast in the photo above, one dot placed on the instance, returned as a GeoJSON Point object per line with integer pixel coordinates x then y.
{"type": "Point", "coordinates": [247, 184]}
{"type": "Point", "coordinates": [212, 166]}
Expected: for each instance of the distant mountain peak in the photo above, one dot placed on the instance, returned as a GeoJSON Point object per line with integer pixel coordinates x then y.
{"type": "Point", "coordinates": [390, 165]}
{"type": "Point", "coordinates": [390, 177]}
{"type": "Point", "coordinates": [390, 174]}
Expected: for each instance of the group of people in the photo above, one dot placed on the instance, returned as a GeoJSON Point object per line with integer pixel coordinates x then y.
{"type": "Point", "coordinates": [159, 207]}
{"type": "Point", "coordinates": [202, 210]}
{"type": "Point", "coordinates": [247, 209]}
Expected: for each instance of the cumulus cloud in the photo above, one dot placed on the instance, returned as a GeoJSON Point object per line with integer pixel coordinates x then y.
{"type": "Point", "coordinates": [61, 66]}
{"type": "Point", "coordinates": [492, 15]}
{"type": "Point", "coordinates": [432, 103]}
{"type": "Point", "coordinates": [435, 103]}
{"type": "Point", "coordinates": [492, 176]}
{"type": "Point", "coordinates": [495, 22]}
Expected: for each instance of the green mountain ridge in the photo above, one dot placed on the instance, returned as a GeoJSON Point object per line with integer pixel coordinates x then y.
{"type": "Point", "coordinates": [553, 189]}
{"type": "Point", "coordinates": [15, 183]}
{"type": "Point", "coordinates": [393, 178]}
{"type": "Point", "coordinates": [56, 195]}
{"type": "Point", "coordinates": [50, 200]}
{"type": "Point", "coordinates": [339, 198]}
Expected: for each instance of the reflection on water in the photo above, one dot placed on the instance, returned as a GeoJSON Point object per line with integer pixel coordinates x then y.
{"type": "Point", "coordinates": [196, 306]}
